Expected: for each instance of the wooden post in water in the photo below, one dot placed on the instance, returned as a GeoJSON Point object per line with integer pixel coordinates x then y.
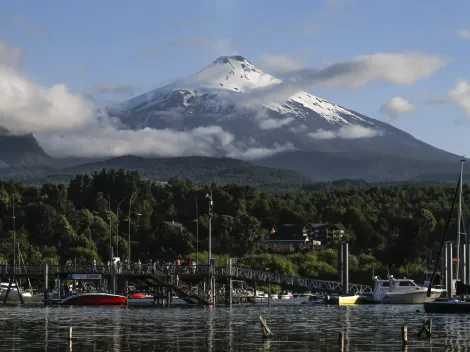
{"type": "Point", "coordinates": [8, 292]}
{"type": "Point", "coordinates": [168, 296]}
{"type": "Point", "coordinates": [45, 282]}
{"type": "Point", "coordinates": [341, 341]}
{"type": "Point", "coordinates": [266, 331]}
{"type": "Point", "coordinates": [70, 334]}
{"type": "Point", "coordinates": [404, 335]}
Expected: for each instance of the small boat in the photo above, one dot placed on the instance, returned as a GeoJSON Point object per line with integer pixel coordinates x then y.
{"type": "Point", "coordinates": [301, 299]}
{"type": "Point", "coordinates": [94, 299]}
{"type": "Point", "coordinates": [398, 291]}
{"type": "Point", "coordinates": [286, 295]}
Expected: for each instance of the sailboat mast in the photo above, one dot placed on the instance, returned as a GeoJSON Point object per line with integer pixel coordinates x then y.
{"type": "Point", "coordinates": [459, 221]}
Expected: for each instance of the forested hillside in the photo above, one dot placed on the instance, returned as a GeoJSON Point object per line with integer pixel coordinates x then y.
{"type": "Point", "coordinates": [395, 225]}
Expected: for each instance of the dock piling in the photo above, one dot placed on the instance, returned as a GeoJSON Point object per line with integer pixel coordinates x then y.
{"type": "Point", "coordinates": [341, 341]}
{"type": "Point", "coordinates": [404, 335]}
{"type": "Point", "coordinates": [70, 334]}
{"type": "Point", "coordinates": [45, 280]}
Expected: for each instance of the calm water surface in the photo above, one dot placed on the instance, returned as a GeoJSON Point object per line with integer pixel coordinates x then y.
{"type": "Point", "coordinates": [296, 328]}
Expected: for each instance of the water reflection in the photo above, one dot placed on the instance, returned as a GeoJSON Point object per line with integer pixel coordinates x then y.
{"type": "Point", "coordinates": [296, 328]}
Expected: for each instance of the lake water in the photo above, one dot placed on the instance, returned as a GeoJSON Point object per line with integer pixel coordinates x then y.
{"type": "Point", "coordinates": [296, 328]}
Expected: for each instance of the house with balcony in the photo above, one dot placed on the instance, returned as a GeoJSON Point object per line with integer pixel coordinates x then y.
{"type": "Point", "coordinates": [290, 238]}
{"type": "Point", "coordinates": [326, 232]}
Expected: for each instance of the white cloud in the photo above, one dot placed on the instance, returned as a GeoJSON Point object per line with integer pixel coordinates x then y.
{"type": "Point", "coordinates": [357, 131]}
{"type": "Point", "coordinates": [464, 33]}
{"type": "Point", "coordinates": [346, 132]}
{"type": "Point", "coordinates": [260, 152]}
{"type": "Point", "coordinates": [323, 134]}
{"type": "Point", "coordinates": [460, 96]}
{"type": "Point", "coordinates": [269, 123]}
{"type": "Point", "coordinates": [28, 107]}
{"type": "Point", "coordinates": [280, 64]}
{"type": "Point", "coordinates": [397, 106]}
{"type": "Point", "coordinates": [397, 68]}
{"type": "Point", "coordinates": [102, 139]}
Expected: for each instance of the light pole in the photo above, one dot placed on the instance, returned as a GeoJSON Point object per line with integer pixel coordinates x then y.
{"type": "Point", "coordinates": [269, 287]}
{"type": "Point", "coordinates": [129, 219]}
{"type": "Point", "coordinates": [211, 205]}
{"type": "Point", "coordinates": [117, 226]}
{"type": "Point", "coordinates": [110, 232]}
{"type": "Point", "coordinates": [211, 278]}
{"type": "Point", "coordinates": [14, 234]}
{"type": "Point", "coordinates": [197, 234]}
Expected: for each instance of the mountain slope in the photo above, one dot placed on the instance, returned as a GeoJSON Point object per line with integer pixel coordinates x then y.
{"type": "Point", "coordinates": [22, 151]}
{"type": "Point", "coordinates": [246, 102]}
{"type": "Point", "coordinates": [196, 169]}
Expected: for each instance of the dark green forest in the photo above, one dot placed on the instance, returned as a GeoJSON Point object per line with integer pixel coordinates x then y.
{"type": "Point", "coordinates": [398, 226]}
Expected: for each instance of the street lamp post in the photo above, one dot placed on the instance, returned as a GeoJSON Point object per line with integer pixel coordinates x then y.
{"type": "Point", "coordinates": [14, 234]}
{"type": "Point", "coordinates": [211, 277]}
{"type": "Point", "coordinates": [110, 232]}
{"type": "Point", "coordinates": [129, 235]}
{"type": "Point", "coordinates": [211, 205]}
{"type": "Point", "coordinates": [117, 226]}
{"type": "Point", "coordinates": [197, 234]}
{"type": "Point", "coordinates": [269, 287]}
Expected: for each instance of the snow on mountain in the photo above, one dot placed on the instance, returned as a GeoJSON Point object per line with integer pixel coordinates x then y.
{"type": "Point", "coordinates": [218, 96]}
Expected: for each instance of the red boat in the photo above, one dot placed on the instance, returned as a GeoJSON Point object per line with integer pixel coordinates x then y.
{"type": "Point", "coordinates": [94, 299]}
{"type": "Point", "coordinates": [138, 296]}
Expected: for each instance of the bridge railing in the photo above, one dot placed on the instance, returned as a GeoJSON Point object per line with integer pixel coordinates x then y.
{"type": "Point", "coordinates": [105, 269]}
{"type": "Point", "coordinates": [310, 284]}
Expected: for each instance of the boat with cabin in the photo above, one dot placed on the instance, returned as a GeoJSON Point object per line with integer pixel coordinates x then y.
{"type": "Point", "coordinates": [398, 291]}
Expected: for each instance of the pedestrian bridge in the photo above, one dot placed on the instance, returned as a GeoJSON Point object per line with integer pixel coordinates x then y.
{"type": "Point", "coordinates": [179, 276]}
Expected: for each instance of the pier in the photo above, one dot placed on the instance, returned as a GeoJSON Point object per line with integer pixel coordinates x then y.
{"type": "Point", "coordinates": [190, 282]}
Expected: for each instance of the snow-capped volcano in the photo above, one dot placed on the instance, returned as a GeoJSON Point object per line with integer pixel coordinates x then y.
{"type": "Point", "coordinates": [252, 107]}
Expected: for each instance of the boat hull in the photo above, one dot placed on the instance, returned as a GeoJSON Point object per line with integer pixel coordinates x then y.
{"type": "Point", "coordinates": [417, 297]}
{"type": "Point", "coordinates": [95, 299]}
{"type": "Point", "coordinates": [447, 306]}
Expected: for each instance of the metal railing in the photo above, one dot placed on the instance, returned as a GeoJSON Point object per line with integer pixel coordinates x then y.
{"type": "Point", "coordinates": [282, 279]}
{"type": "Point", "coordinates": [161, 271]}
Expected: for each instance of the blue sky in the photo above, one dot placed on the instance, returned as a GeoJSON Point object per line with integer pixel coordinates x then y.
{"type": "Point", "coordinates": [145, 44]}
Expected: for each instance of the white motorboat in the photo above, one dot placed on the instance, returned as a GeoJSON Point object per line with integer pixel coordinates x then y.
{"type": "Point", "coordinates": [301, 299]}
{"type": "Point", "coordinates": [398, 291]}
{"type": "Point", "coordinates": [286, 295]}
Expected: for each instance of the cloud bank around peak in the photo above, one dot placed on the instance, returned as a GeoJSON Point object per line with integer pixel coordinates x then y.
{"type": "Point", "coordinates": [346, 132]}
{"type": "Point", "coordinates": [397, 68]}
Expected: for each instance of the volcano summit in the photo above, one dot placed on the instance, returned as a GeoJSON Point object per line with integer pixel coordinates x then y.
{"type": "Point", "coordinates": [260, 120]}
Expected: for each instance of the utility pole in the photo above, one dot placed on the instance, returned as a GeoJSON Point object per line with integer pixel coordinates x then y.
{"type": "Point", "coordinates": [117, 226]}
{"type": "Point", "coordinates": [129, 223]}
{"type": "Point", "coordinates": [110, 232]}
{"type": "Point", "coordinates": [211, 205]}
{"type": "Point", "coordinates": [211, 276]}
{"type": "Point", "coordinates": [457, 271]}
{"type": "Point", "coordinates": [14, 235]}
{"type": "Point", "coordinates": [197, 234]}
